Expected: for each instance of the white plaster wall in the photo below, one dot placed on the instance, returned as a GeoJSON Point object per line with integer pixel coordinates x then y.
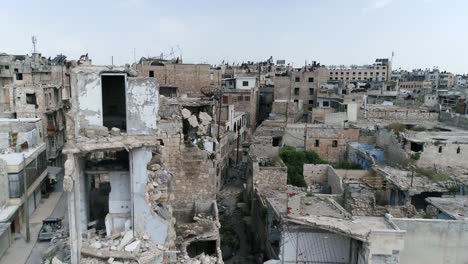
{"type": "Point", "coordinates": [144, 219]}
{"type": "Point", "coordinates": [434, 241]}
{"type": "Point", "coordinates": [119, 197]}
{"type": "Point", "coordinates": [352, 112]}
{"type": "Point", "coordinates": [315, 248]}
{"type": "Point", "coordinates": [90, 98]}
{"type": "Point", "coordinates": [448, 157]}
{"type": "Point", "coordinates": [239, 80]}
{"type": "Point", "coordinates": [142, 105]}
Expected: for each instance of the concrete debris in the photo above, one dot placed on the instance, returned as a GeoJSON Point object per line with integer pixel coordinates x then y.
{"type": "Point", "coordinates": [55, 260]}
{"type": "Point", "coordinates": [134, 246]}
{"type": "Point", "coordinates": [127, 238]}
{"type": "Point", "coordinates": [205, 118]}
{"type": "Point", "coordinates": [186, 113]}
{"type": "Point", "coordinates": [93, 131]}
{"type": "Point", "coordinates": [96, 245]}
{"type": "Point", "coordinates": [193, 121]}
{"type": "Point", "coordinates": [115, 131]}
{"type": "Point", "coordinates": [128, 249]}
{"type": "Point", "coordinates": [200, 259]}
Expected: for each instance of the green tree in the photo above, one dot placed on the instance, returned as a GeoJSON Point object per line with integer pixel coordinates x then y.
{"type": "Point", "coordinates": [295, 161]}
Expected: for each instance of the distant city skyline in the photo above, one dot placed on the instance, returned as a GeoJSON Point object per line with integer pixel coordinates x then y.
{"type": "Point", "coordinates": [422, 33]}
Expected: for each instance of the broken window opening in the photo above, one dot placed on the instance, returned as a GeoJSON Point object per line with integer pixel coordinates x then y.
{"type": "Point", "coordinates": [317, 143]}
{"type": "Point", "coordinates": [31, 98]}
{"type": "Point", "coordinates": [113, 101]}
{"type": "Point", "coordinates": [197, 247]}
{"type": "Point", "coordinates": [151, 74]}
{"type": "Point", "coordinates": [245, 83]}
{"type": "Point", "coordinates": [440, 149]}
{"type": "Point", "coordinates": [296, 91]}
{"type": "Point", "coordinates": [419, 200]}
{"type": "Point", "coordinates": [19, 76]}
{"type": "Point", "coordinates": [334, 143]}
{"type": "Point", "coordinates": [458, 150]}
{"type": "Point", "coordinates": [276, 141]}
{"type": "Point", "coordinates": [161, 142]}
{"type": "Point", "coordinates": [417, 147]}
{"type": "Point", "coordinates": [170, 92]}
{"type": "Point", "coordinates": [108, 190]}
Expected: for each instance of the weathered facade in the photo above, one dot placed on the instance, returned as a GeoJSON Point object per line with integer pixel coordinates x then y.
{"type": "Point", "coordinates": [330, 142]}
{"type": "Point", "coordinates": [149, 172]}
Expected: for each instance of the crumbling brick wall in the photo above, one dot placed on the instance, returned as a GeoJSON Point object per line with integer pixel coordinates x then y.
{"type": "Point", "coordinates": [194, 173]}
{"type": "Point", "coordinates": [274, 177]}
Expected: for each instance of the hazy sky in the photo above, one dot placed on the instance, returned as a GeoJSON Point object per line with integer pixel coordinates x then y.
{"type": "Point", "coordinates": [422, 33]}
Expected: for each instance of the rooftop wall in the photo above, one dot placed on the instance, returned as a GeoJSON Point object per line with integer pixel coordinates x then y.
{"type": "Point", "coordinates": [433, 241]}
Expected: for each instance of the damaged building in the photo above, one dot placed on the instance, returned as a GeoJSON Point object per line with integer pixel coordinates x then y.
{"type": "Point", "coordinates": [140, 171]}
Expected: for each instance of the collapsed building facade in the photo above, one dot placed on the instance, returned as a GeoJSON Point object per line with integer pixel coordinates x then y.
{"type": "Point", "coordinates": [140, 171]}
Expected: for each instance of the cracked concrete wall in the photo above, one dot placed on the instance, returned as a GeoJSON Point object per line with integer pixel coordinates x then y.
{"type": "Point", "coordinates": [142, 105]}
{"type": "Point", "coordinates": [142, 99]}
{"type": "Point", "coordinates": [87, 85]}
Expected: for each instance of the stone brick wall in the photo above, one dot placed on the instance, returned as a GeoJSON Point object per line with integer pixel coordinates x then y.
{"type": "Point", "coordinates": [188, 78]}
{"type": "Point", "coordinates": [315, 174]}
{"type": "Point", "coordinates": [332, 142]}
{"type": "Point", "coordinates": [359, 199]}
{"type": "Point", "coordinates": [194, 173]}
{"type": "Point", "coordinates": [402, 114]}
{"type": "Point", "coordinates": [270, 177]}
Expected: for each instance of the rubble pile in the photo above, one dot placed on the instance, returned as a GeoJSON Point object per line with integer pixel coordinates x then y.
{"type": "Point", "coordinates": [200, 259]}
{"type": "Point", "coordinates": [158, 188]}
{"type": "Point", "coordinates": [120, 248]}
{"type": "Point", "coordinates": [200, 124]}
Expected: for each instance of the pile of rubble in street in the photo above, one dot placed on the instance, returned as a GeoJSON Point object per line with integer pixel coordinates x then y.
{"type": "Point", "coordinates": [121, 248]}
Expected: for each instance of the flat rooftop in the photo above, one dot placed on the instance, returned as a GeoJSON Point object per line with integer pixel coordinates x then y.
{"type": "Point", "coordinates": [402, 179]}
{"type": "Point", "coordinates": [303, 204]}
{"type": "Point", "coordinates": [428, 136]}
{"type": "Point", "coordinates": [15, 160]}
{"type": "Point", "coordinates": [358, 227]}
{"type": "Point", "coordinates": [456, 207]}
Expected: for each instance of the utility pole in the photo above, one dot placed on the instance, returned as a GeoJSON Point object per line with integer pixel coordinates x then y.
{"type": "Point", "coordinates": [221, 94]}
{"type": "Point", "coordinates": [289, 98]}
{"type": "Point", "coordinates": [238, 136]}
{"type": "Point", "coordinates": [25, 203]}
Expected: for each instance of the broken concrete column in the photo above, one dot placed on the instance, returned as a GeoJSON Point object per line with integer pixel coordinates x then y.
{"type": "Point", "coordinates": [115, 131]}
